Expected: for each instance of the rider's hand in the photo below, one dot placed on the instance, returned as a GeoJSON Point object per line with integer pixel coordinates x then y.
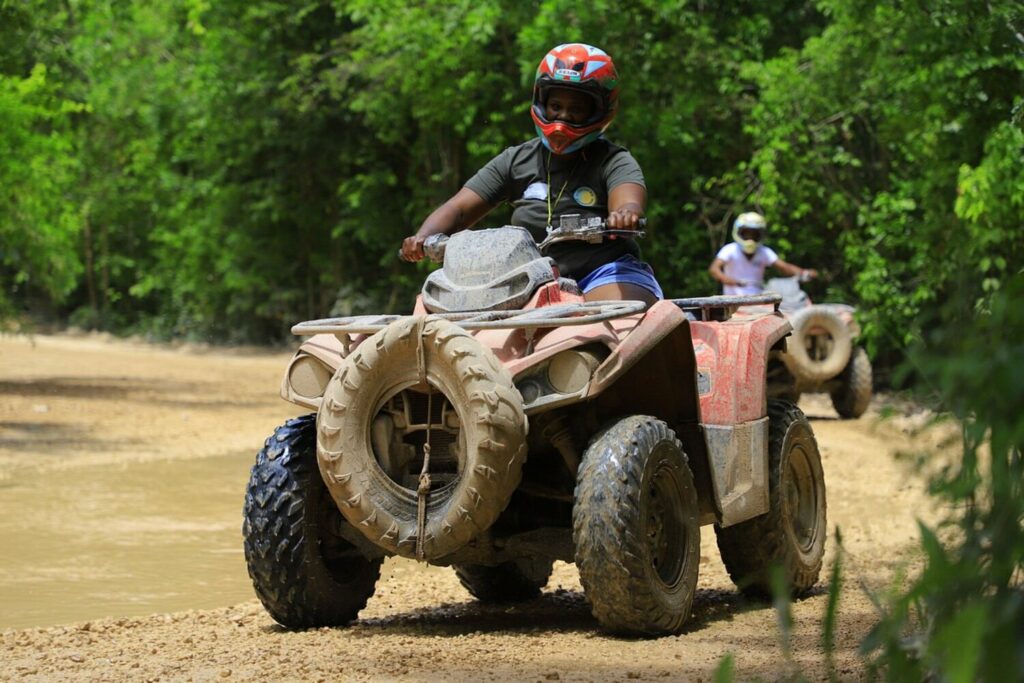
{"type": "Point", "coordinates": [623, 219]}
{"type": "Point", "coordinates": [808, 274]}
{"type": "Point", "coordinates": [412, 249]}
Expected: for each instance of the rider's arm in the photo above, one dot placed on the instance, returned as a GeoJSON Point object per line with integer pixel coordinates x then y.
{"type": "Point", "coordinates": [797, 271]}
{"type": "Point", "coordinates": [458, 213]}
{"type": "Point", "coordinates": [717, 271]}
{"type": "Point", "coordinates": [627, 203]}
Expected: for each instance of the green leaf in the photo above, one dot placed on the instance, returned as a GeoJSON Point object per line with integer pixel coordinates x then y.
{"type": "Point", "coordinates": [957, 644]}
{"type": "Point", "coordinates": [725, 672]}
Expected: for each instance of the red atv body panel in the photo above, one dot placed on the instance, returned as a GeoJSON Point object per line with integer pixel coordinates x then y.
{"type": "Point", "coordinates": [705, 378]}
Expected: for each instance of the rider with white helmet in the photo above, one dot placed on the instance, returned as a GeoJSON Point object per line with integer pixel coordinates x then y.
{"type": "Point", "coordinates": [740, 265]}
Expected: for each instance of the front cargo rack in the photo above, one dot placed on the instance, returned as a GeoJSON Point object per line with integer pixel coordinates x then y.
{"type": "Point", "coordinates": [559, 315]}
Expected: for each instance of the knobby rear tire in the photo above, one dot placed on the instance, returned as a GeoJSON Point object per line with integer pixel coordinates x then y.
{"type": "Point", "coordinates": [791, 535]}
{"type": "Point", "coordinates": [852, 398]}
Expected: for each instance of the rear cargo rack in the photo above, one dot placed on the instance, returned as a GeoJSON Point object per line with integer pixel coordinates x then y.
{"type": "Point", "coordinates": [722, 307]}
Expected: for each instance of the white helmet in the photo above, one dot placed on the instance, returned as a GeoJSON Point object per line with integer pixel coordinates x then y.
{"type": "Point", "coordinates": [748, 221]}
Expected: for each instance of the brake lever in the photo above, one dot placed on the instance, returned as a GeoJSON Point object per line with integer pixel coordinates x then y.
{"type": "Point", "coordinates": [590, 236]}
{"type": "Point", "coordinates": [593, 230]}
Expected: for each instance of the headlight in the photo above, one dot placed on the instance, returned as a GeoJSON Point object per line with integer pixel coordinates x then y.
{"type": "Point", "coordinates": [569, 371]}
{"type": "Point", "coordinates": [308, 377]}
{"type": "Point", "coordinates": [561, 378]}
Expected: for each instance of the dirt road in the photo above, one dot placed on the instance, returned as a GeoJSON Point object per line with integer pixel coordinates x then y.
{"type": "Point", "coordinates": [71, 407]}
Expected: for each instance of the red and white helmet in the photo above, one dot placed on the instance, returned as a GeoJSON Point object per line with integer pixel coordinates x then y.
{"type": "Point", "coordinates": [575, 66]}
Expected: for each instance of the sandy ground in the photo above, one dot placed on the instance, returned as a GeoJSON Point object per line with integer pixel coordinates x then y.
{"type": "Point", "coordinates": [70, 403]}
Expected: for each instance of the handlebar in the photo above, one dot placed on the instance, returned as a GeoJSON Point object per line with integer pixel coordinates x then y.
{"type": "Point", "coordinates": [433, 247]}
{"type": "Point", "coordinates": [574, 227]}
{"type": "Point", "coordinates": [571, 227]}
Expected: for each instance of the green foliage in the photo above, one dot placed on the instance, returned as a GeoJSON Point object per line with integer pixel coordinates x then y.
{"type": "Point", "coordinates": [960, 620]}
{"type": "Point", "coordinates": [39, 225]}
{"type": "Point", "coordinates": [725, 672]}
{"type": "Point", "coordinates": [835, 588]}
{"type": "Point", "coordinates": [991, 205]}
{"type": "Point", "coordinates": [230, 168]}
{"type": "Point", "coordinates": [862, 139]}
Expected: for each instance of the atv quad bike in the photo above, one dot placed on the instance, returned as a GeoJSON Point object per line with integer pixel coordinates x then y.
{"type": "Point", "coordinates": [821, 355]}
{"type": "Point", "coordinates": [508, 423]}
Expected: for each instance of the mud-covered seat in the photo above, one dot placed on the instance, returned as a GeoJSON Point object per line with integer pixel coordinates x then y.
{"type": "Point", "coordinates": [487, 270]}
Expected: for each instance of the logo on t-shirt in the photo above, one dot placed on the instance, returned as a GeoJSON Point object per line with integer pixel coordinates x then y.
{"type": "Point", "coordinates": [536, 191]}
{"type": "Point", "coordinates": [584, 196]}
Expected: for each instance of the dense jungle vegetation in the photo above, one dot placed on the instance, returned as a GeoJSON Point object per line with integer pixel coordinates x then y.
{"type": "Point", "coordinates": [222, 170]}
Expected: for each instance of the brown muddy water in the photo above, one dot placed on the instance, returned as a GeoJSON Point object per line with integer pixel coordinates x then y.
{"type": "Point", "coordinates": [122, 540]}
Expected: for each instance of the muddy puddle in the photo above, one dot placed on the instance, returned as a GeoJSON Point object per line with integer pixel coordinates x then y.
{"type": "Point", "coordinates": [124, 540]}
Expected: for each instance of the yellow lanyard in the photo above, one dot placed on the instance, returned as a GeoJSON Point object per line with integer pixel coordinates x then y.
{"type": "Point", "coordinates": [548, 186]}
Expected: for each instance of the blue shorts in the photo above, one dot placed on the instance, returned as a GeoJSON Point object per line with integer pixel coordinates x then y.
{"type": "Point", "coordinates": [628, 269]}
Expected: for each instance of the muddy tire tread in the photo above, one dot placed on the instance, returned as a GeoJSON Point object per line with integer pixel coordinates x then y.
{"type": "Point", "coordinates": [606, 517]}
{"type": "Point", "coordinates": [290, 580]}
{"type": "Point", "coordinates": [852, 398]}
{"type": "Point", "coordinates": [750, 548]}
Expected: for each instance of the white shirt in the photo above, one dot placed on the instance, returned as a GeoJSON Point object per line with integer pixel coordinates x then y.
{"type": "Point", "coordinates": [739, 266]}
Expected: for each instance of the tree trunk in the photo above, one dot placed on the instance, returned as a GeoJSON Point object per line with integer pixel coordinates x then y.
{"type": "Point", "coordinates": [90, 277]}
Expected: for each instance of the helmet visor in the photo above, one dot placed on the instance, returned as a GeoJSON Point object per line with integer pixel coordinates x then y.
{"type": "Point", "coordinates": [750, 234]}
{"type": "Point", "coordinates": [577, 107]}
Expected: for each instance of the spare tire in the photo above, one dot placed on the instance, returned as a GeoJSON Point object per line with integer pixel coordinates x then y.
{"type": "Point", "coordinates": [819, 347]}
{"type": "Point", "coordinates": [489, 446]}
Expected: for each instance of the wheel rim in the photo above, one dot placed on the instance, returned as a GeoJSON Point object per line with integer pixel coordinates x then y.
{"type": "Point", "coordinates": [819, 346]}
{"type": "Point", "coordinates": [801, 498]}
{"type": "Point", "coordinates": [666, 533]}
{"type": "Point", "coordinates": [448, 447]}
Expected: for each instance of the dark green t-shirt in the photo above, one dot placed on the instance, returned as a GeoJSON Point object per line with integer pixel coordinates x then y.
{"type": "Point", "coordinates": [579, 184]}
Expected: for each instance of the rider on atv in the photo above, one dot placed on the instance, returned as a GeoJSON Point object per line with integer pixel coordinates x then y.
{"type": "Point", "coordinates": [575, 98]}
{"type": "Point", "coordinates": [740, 265]}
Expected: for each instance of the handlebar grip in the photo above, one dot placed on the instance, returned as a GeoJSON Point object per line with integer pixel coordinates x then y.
{"type": "Point", "coordinates": [434, 246]}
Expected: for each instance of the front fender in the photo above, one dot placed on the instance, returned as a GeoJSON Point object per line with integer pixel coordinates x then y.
{"type": "Point", "coordinates": [732, 362]}
{"type": "Point", "coordinates": [646, 366]}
